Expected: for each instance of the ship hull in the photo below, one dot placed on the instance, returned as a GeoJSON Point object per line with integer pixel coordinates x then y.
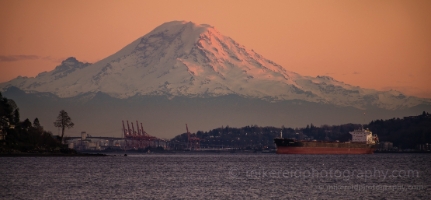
{"type": "Point", "coordinates": [290, 146]}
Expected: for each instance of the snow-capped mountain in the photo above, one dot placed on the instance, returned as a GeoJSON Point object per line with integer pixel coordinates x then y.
{"type": "Point", "coordinates": [188, 60]}
{"type": "Point", "coordinates": [183, 72]}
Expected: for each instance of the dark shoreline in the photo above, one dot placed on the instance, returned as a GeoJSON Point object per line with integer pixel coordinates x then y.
{"type": "Point", "coordinates": [91, 154]}
{"type": "Point", "coordinates": [52, 155]}
{"type": "Point", "coordinates": [402, 151]}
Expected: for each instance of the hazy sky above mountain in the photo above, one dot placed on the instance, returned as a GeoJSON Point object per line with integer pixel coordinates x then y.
{"type": "Point", "coordinates": [373, 44]}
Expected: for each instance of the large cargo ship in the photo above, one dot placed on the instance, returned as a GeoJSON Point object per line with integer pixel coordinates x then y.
{"type": "Point", "coordinates": [363, 142]}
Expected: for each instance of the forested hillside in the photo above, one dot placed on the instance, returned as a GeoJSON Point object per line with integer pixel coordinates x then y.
{"type": "Point", "coordinates": [405, 133]}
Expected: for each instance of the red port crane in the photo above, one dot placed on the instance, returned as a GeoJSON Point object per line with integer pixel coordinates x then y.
{"type": "Point", "coordinates": [193, 142]}
{"type": "Point", "coordinates": [138, 139]}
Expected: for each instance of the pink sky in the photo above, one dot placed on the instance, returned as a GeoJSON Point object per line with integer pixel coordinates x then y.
{"type": "Point", "coordinates": [382, 44]}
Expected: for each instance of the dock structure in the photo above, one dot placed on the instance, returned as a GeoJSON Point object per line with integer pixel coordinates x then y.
{"type": "Point", "coordinates": [131, 140]}
{"type": "Point", "coordinates": [139, 139]}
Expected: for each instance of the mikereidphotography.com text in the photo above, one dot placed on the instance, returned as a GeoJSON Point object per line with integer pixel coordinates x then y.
{"type": "Point", "coordinates": [344, 174]}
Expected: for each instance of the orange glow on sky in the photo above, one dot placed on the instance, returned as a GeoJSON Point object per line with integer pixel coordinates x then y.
{"type": "Point", "coordinates": [383, 44]}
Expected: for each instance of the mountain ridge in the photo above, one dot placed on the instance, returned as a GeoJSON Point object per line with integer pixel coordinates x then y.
{"type": "Point", "coordinates": [100, 114]}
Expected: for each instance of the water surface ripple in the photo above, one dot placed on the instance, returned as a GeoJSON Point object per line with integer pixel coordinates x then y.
{"type": "Point", "coordinates": [217, 176]}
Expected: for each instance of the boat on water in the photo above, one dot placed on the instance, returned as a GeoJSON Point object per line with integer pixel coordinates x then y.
{"type": "Point", "coordinates": [363, 142]}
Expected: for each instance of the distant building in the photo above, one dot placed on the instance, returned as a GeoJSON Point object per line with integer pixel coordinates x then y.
{"type": "Point", "coordinates": [2, 135]}
{"type": "Point", "coordinates": [423, 147]}
{"type": "Point", "coordinates": [385, 146]}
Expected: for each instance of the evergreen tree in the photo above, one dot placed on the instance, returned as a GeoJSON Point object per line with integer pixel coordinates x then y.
{"type": "Point", "coordinates": [63, 121]}
{"type": "Point", "coordinates": [36, 123]}
{"type": "Point", "coordinates": [6, 110]}
{"type": "Point", "coordinates": [26, 124]}
{"type": "Point", "coordinates": [16, 116]}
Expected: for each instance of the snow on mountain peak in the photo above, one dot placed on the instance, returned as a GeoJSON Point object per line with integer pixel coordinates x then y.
{"type": "Point", "coordinates": [181, 58]}
{"type": "Point", "coordinates": [70, 65]}
{"type": "Point", "coordinates": [174, 27]}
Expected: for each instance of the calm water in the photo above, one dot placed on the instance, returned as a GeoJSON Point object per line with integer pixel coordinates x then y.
{"type": "Point", "coordinates": [218, 176]}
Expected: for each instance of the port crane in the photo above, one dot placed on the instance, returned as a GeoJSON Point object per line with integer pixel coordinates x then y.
{"type": "Point", "coordinates": [193, 142]}
{"type": "Point", "coordinates": [138, 139]}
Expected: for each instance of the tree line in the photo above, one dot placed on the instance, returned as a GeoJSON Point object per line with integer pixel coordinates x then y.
{"type": "Point", "coordinates": [404, 133]}
{"type": "Point", "coordinates": [27, 136]}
